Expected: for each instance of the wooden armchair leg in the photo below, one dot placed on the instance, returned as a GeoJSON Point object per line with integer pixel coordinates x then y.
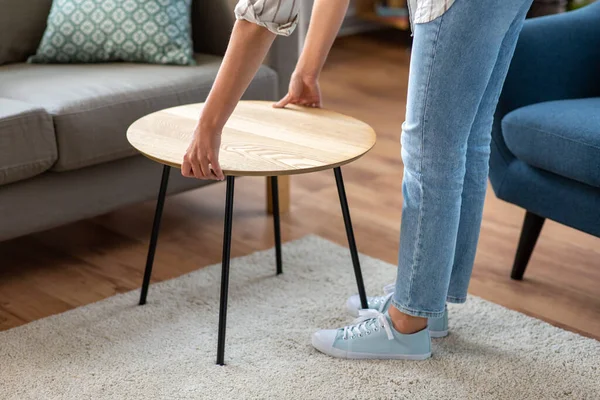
{"type": "Point", "coordinates": [284, 194]}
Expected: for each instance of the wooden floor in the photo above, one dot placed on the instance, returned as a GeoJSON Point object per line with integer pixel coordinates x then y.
{"type": "Point", "coordinates": [366, 77]}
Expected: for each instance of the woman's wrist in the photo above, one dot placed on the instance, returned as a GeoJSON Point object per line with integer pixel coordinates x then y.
{"type": "Point", "coordinates": [306, 75]}
{"type": "Point", "coordinates": [207, 127]}
{"type": "Point", "coordinates": [306, 68]}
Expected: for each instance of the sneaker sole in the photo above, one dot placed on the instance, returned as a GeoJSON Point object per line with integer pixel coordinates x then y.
{"type": "Point", "coordinates": [438, 334]}
{"type": "Point", "coordinates": [333, 352]}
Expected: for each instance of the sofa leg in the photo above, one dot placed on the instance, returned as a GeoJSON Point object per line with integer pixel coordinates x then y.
{"type": "Point", "coordinates": [532, 226]}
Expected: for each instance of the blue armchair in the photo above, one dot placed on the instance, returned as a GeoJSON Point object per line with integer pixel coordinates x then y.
{"type": "Point", "coordinates": [546, 132]}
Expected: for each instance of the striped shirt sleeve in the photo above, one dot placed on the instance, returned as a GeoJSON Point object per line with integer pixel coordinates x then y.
{"type": "Point", "coordinates": [278, 16]}
{"type": "Point", "coordinates": [423, 11]}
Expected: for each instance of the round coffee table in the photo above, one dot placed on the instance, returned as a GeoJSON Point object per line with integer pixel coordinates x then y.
{"type": "Point", "coordinates": [258, 140]}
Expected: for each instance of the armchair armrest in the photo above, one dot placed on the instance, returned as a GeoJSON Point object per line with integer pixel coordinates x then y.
{"type": "Point", "coordinates": [212, 22]}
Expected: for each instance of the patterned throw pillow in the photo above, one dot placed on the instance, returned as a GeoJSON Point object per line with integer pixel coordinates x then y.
{"type": "Point", "coordinates": [90, 31]}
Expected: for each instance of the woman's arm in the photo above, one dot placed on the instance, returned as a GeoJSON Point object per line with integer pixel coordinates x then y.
{"type": "Point", "coordinates": [327, 17]}
{"type": "Point", "coordinates": [247, 49]}
{"type": "Point", "coordinates": [252, 36]}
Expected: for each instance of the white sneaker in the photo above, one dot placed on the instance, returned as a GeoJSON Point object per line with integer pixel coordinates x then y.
{"type": "Point", "coordinates": [372, 336]}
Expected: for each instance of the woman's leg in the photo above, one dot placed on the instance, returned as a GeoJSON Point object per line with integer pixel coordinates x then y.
{"type": "Point", "coordinates": [477, 162]}
{"type": "Point", "coordinates": [454, 62]}
{"type": "Point", "coordinates": [452, 65]}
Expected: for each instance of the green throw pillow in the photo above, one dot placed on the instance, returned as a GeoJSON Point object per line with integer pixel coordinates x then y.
{"type": "Point", "coordinates": [90, 31]}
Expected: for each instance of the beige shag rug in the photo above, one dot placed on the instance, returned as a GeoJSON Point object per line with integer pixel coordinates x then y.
{"type": "Point", "coordinates": [114, 349]}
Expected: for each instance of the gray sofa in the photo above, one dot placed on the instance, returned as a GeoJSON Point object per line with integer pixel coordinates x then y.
{"type": "Point", "coordinates": [63, 150]}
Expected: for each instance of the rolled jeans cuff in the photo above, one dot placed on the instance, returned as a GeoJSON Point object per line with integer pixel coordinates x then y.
{"type": "Point", "coordinates": [456, 300]}
{"type": "Point", "coordinates": [416, 313]}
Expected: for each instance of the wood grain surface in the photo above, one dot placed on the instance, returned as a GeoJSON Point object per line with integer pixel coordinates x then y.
{"type": "Point", "coordinates": [259, 140]}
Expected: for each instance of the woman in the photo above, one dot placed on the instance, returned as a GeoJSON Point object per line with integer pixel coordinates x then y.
{"type": "Point", "coordinates": [460, 57]}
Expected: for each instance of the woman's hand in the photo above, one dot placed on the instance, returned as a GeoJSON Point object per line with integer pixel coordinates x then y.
{"type": "Point", "coordinates": [201, 159]}
{"type": "Point", "coordinates": [304, 90]}
{"type": "Point", "coordinates": [325, 22]}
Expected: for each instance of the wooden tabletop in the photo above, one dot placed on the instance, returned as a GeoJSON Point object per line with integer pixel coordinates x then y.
{"type": "Point", "coordinates": [258, 139]}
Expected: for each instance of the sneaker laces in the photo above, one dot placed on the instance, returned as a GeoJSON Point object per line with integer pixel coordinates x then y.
{"type": "Point", "coordinates": [368, 319]}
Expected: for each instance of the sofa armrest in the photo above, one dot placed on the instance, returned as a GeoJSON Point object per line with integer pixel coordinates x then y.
{"type": "Point", "coordinates": [557, 57]}
{"type": "Point", "coordinates": [212, 22]}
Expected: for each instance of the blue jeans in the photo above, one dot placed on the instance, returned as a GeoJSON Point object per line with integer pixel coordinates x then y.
{"type": "Point", "coordinates": [458, 65]}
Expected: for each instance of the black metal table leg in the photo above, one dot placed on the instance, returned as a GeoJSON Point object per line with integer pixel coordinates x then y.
{"type": "Point", "coordinates": [225, 270]}
{"type": "Point", "coordinates": [162, 192]}
{"type": "Point", "coordinates": [350, 233]}
{"type": "Point", "coordinates": [276, 222]}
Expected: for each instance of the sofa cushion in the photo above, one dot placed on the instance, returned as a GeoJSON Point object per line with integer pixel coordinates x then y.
{"type": "Point", "coordinates": [22, 24]}
{"type": "Point", "coordinates": [93, 105]}
{"type": "Point", "coordinates": [27, 143]}
{"type": "Point", "coordinates": [562, 137]}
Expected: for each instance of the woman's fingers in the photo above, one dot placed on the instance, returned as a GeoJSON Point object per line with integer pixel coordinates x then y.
{"type": "Point", "coordinates": [207, 166]}
{"type": "Point", "coordinates": [186, 167]}
{"type": "Point", "coordinates": [283, 102]}
{"type": "Point", "coordinates": [201, 160]}
{"type": "Point", "coordinates": [216, 167]}
{"type": "Point", "coordinates": [196, 170]}
{"type": "Point", "coordinates": [307, 102]}
{"type": "Point", "coordinates": [202, 165]}
{"type": "Point", "coordinates": [194, 158]}
{"type": "Point", "coordinates": [299, 101]}
{"type": "Point", "coordinates": [206, 172]}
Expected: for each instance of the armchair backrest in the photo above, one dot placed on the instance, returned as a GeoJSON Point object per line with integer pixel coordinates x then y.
{"type": "Point", "coordinates": [557, 58]}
